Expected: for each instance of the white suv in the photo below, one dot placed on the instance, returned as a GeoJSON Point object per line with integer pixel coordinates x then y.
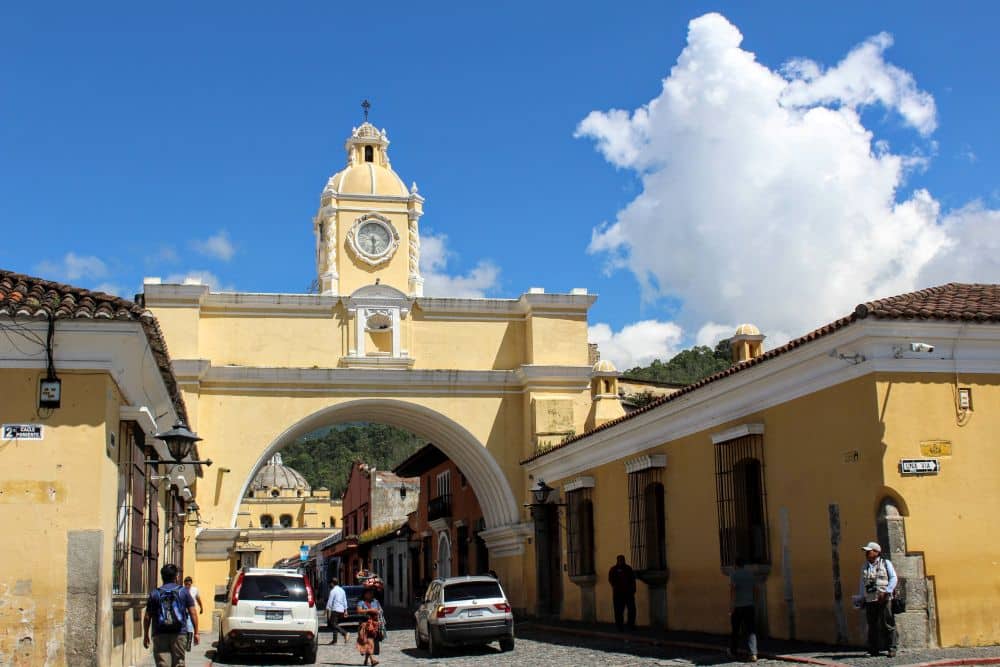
{"type": "Point", "coordinates": [270, 611]}
{"type": "Point", "coordinates": [464, 610]}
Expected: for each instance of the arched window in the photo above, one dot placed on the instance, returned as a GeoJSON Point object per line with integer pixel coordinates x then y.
{"type": "Point", "coordinates": [656, 527]}
{"type": "Point", "coordinates": [266, 521]}
{"type": "Point", "coordinates": [369, 154]}
{"type": "Point", "coordinates": [286, 520]}
{"type": "Point", "coordinates": [333, 523]}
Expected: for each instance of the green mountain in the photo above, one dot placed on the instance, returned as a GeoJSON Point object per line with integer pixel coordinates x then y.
{"type": "Point", "coordinates": [324, 457]}
{"type": "Point", "coordinates": [687, 366]}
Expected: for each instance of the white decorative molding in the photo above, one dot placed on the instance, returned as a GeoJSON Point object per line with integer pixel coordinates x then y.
{"type": "Point", "coordinates": [401, 362]}
{"type": "Point", "coordinates": [966, 348]}
{"type": "Point", "coordinates": [507, 540]}
{"type": "Point", "coordinates": [141, 415]}
{"type": "Point", "coordinates": [646, 462]}
{"type": "Point", "coordinates": [737, 432]}
{"type": "Point", "coordinates": [578, 483]}
{"type": "Point", "coordinates": [370, 258]}
{"type": "Point", "coordinates": [439, 525]}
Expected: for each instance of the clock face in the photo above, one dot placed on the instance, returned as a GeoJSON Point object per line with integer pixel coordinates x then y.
{"type": "Point", "coordinates": [373, 239]}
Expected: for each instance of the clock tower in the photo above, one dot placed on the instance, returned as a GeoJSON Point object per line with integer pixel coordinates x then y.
{"type": "Point", "coordinates": [367, 226]}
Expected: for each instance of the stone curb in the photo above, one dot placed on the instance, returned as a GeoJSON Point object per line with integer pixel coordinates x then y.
{"type": "Point", "coordinates": [956, 661]}
{"type": "Point", "coordinates": [708, 647]}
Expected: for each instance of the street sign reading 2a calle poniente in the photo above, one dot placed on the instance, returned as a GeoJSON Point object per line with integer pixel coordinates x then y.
{"type": "Point", "coordinates": [919, 466]}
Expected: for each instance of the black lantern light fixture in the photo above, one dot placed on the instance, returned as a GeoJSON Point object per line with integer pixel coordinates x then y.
{"type": "Point", "coordinates": [180, 441]}
{"type": "Point", "coordinates": [540, 492]}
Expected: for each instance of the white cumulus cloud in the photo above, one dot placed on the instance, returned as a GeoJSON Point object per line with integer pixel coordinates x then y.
{"type": "Point", "coordinates": [636, 344]}
{"type": "Point", "coordinates": [434, 256]}
{"type": "Point", "coordinates": [218, 245]}
{"type": "Point", "coordinates": [73, 267]}
{"type": "Point", "coordinates": [765, 198]}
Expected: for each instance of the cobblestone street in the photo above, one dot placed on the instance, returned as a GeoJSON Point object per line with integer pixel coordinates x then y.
{"type": "Point", "coordinates": [539, 647]}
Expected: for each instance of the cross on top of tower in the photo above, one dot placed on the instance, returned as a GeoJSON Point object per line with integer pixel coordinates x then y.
{"type": "Point", "coordinates": [366, 105]}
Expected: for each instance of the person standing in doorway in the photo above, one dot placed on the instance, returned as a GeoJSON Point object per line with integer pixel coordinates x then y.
{"type": "Point", "coordinates": [878, 581]}
{"type": "Point", "coordinates": [193, 592]}
{"type": "Point", "coordinates": [622, 580]}
{"type": "Point", "coordinates": [336, 610]}
{"type": "Point", "coordinates": [167, 610]}
{"type": "Point", "coordinates": [742, 616]}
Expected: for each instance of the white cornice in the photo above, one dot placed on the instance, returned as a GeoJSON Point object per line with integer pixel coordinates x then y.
{"type": "Point", "coordinates": [737, 432]}
{"type": "Point", "coordinates": [578, 483]}
{"type": "Point", "coordinates": [507, 540]}
{"type": "Point", "coordinates": [646, 462]}
{"type": "Point", "coordinates": [816, 365]}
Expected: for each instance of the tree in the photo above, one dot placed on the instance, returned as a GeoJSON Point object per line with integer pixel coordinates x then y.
{"type": "Point", "coordinates": [687, 366]}
{"type": "Point", "coordinates": [325, 458]}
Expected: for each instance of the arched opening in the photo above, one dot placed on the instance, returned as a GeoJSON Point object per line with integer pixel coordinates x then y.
{"type": "Point", "coordinates": [369, 154]}
{"type": "Point", "coordinates": [444, 555]}
{"type": "Point", "coordinates": [285, 520]}
{"type": "Point", "coordinates": [266, 521]}
{"type": "Point", "coordinates": [500, 509]}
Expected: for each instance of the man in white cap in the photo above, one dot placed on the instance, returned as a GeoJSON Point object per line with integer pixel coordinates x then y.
{"type": "Point", "coordinates": [878, 581]}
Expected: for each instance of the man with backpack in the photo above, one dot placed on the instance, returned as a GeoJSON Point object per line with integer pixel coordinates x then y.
{"type": "Point", "coordinates": [878, 582]}
{"type": "Point", "coordinates": [167, 610]}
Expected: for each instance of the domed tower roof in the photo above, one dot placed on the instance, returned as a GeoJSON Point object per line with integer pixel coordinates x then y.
{"type": "Point", "coordinates": [605, 366]}
{"type": "Point", "coordinates": [368, 170]}
{"type": "Point", "coordinates": [276, 475]}
{"type": "Point", "coordinates": [747, 330]}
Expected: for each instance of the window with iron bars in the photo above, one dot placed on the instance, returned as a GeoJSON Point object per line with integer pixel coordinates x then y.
{"type": "Point", "coordinates": [580, 532]}
{"type": "Point", "coordinates": [647, 520]}
{"type": "Point", "coordinates": [742, 500]}
{"type": "Point", "coordinates": [137, 534]}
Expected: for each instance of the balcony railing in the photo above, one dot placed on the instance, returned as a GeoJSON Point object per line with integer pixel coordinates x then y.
{"type": "Point", "coordinates": [439, 508]}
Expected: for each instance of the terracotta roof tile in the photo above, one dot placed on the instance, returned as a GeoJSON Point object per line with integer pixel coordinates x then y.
{"type": "Point", "coordinates": [28, 297]}
{"type": "Point", "coordinates": [951, 302]}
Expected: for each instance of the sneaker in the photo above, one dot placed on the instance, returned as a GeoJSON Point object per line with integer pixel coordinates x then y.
{"type": "Point", "coordinates": [891, 653]}
{"type": "Point", "coordinates": [753, 658]}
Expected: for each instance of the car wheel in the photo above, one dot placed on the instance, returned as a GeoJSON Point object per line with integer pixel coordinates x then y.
{"type": "Point", "coordinates": [421, 644]}
{"type": "Point", "coordinates": [309, 655]}
{"type": "Point", "coordinates": [221, 650]}
{"type": "Point", "coordinates": [507, 644]}
{"type": "Point", "coordinates": [433, 644]}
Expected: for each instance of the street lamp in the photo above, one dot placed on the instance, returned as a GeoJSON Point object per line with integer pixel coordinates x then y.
{"type": "Point", "coordinates": [180, 441]}
{"type": "Point", "coordinates": [540, 492]}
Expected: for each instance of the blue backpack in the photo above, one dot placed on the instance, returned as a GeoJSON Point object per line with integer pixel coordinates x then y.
{"type": "Point", "coordinates": [171, 615]}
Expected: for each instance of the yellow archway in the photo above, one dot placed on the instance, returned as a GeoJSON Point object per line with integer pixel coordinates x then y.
{"type": "Point", "coordinates": [487, 479]}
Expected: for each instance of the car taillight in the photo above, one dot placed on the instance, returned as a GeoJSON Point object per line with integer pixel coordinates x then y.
{"type": "Point", "coordinates": [443, 611]}
{"type": "Point", "coordinates": [309, 635]}
{"type": "Point", "coordinates": [503, 606]}
{"type": "Point", "coordinates": [236, 588]}
{"type": "Point", "coordinates": [309, 593]}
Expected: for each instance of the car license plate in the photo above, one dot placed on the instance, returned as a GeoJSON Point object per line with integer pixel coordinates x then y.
{"type": "Point", "coordinates": [273, 615]}
{"type": "Point", "coordinates": [475, 612]}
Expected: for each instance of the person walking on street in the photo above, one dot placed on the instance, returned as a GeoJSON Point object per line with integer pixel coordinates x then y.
{"type": "Point", "coordinates": [193, 592]}
{"type": "Point", "coordinates": [167, 611]}
{"type": "Point", "coordinates": [368, 636]}
{"type": "Point", "coordinates": [742, 616]}
{"type": "Point", "coordinates": [372, 630]}
{"type": "Point", "coordinates": [336, 610]}
{"type": "Point", "coordinates": [622, 580]}
{"type": "Point", "coordinates": [878, 581]}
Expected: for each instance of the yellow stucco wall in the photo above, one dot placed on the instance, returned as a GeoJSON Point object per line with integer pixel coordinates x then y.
{"type": "Point", "coordinates": [66, 482]}
{"type": "Point", "coordinates": [952, 517]}
{"type": "Point", "coordinates": [809, 450]}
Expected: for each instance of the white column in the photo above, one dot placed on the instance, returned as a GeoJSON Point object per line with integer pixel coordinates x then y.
{"type": "Point", "coordinates": [360, 316]}
{"type": "Point", "coordinates": [395, 334]}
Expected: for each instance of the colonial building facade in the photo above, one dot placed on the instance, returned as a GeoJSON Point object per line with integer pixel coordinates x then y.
{"type": "Point", "coordinates": [880, 425]}
{"type": "Point", "coordinates": [91, 514]}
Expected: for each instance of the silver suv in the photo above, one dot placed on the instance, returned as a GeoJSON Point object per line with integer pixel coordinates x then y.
{"type": "Point", "coordinates": [464, 610]}
{"type": "Point", "coordinates": [270, 611]}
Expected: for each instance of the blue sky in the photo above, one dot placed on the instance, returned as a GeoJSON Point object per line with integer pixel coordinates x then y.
{"type": "Point", "coordinates": [132, 134]}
